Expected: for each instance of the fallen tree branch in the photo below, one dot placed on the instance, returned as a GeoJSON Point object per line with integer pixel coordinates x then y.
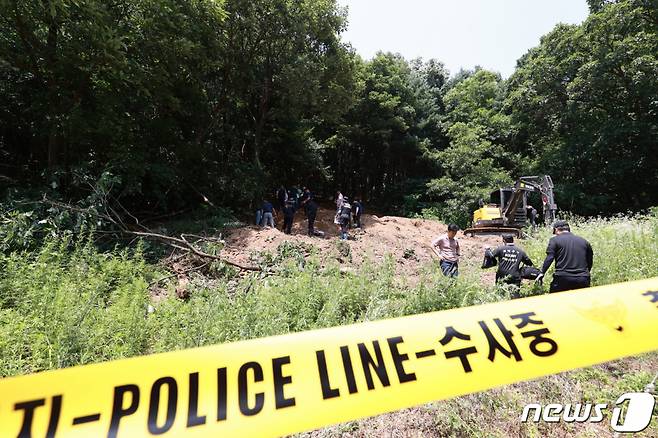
{"type": "Point", "coordinates": [175, 242]}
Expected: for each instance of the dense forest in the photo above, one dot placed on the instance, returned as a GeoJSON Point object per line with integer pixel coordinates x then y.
{"type": "Point", "coordinates": [168, 104]}
{"type": "Point", "coordinates": [137, 137]}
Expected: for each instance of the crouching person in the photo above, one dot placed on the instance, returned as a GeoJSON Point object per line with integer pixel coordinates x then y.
{"type": "Point", "coordinates": [509, 258]}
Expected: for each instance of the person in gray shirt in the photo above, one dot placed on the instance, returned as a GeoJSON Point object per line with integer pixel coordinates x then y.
{"type": "Point", "coordinates": [447, 249]}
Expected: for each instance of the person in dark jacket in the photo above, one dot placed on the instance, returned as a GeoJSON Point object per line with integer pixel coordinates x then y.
{"type": "Point", "coordinates": [311, 208]}
{"type": "Point", "coordinates": [573, 258]}
{"type": "Point", "coordinates": [344, 216]}
{"type": "Point", "coordinates": [288, 217]}
{"type": "Point", "coordinates": [509, 258]}
{"type": "Point", "coordinates": [281, 197]}
{"type": "Point", "coordinates": [306, 197]}
{"type": "Point", "coordinates": [357, 210]}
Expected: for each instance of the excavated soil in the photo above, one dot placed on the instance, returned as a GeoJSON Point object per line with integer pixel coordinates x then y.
{"type": "Point", "coordinates": [407, 240]}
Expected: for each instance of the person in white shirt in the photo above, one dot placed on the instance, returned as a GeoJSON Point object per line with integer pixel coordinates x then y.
{"type": "Point", "coordinates": [339, 205]}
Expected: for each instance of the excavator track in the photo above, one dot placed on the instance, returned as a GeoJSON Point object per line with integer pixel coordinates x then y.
{"type": "Point", "coordinates": [494, 231]}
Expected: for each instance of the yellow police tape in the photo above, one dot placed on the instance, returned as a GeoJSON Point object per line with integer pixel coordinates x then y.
{"type": "Point", "coordinates": [286, 384]}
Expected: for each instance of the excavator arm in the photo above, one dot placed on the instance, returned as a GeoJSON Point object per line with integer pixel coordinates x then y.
{"type": "Point", "coordinates": [542, 184]}
{"type": "Point", "coordinates": [507, 211]}
{"type": "Point", "coordinates": [504, 217]}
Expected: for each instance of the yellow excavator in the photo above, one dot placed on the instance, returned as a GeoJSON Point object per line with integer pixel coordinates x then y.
{"type": "Point", "coordinates": [507, 211]}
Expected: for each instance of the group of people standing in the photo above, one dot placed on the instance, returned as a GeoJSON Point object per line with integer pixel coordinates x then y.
{"type": "Point", "coordinates": [289, 201]}
{"type": "Point", "coordinates": [573, 257]}
{"type": "Point", "coordinates": [287, 204]}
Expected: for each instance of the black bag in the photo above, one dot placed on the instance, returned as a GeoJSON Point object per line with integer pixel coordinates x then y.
{"type": "Point", "coordinates": [530, 273]}
{"type": "Point", "coordinates": [489, 260]}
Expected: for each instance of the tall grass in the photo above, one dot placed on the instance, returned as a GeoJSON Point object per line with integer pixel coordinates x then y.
{"type": "Point", "coordinates": [69, 304]}
{"type": "Point", "coordinates": [625, 247]}
{"type": "Point", "coordinates": [62, 306]}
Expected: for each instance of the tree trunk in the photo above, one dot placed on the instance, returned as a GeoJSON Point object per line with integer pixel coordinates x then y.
{"type": "Point", "coordinates": [53, 147]}
{"type": "Point", "coordinates": [51, 82]}
{"type": "Point", "coordinates": [263, 109]}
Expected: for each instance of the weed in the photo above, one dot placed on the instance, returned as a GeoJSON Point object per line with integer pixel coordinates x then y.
{"type": "Point", "coordinates": [69, 303]}
{"type": "Point", "coordinates": [344, 249]}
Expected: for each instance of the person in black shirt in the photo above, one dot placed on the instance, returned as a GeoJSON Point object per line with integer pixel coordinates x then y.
{"type": "Point", "coordinates": [307, 196]}
{"type": "Point", "coordinates": [311, 208]}
{"type": "Point", "coordinates": [509, 258]}
{"type": "Point", "coordinates": [281, 197]}
{"type": "Point", "coordinates": [357, 210]}
{"type": "Point", "coordinates": [573, 258]}
{"type": "Point", "coordinates": [288, 217]}
{"type": "Point", "coordinates": [344, 216]}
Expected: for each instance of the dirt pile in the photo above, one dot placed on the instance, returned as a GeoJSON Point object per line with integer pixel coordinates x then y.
{"type": "Point", "coordinates": [407, 240]}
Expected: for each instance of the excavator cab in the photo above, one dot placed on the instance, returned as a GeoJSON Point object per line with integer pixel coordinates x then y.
{"type": "Point", "coordinates": [507, 213]}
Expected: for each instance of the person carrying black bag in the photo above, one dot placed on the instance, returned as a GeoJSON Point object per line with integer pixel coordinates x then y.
{"type": "Point", "coordinates": [509, 258]}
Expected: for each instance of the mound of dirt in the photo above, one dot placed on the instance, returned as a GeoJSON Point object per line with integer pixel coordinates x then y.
{"type": "Point", "coordinates": [407, 240]}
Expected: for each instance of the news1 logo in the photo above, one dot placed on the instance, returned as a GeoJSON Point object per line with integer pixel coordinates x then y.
{"type": "Point", "coordinates": [632, 412]}
{"type": "Point", "coordinates": [638, 413]}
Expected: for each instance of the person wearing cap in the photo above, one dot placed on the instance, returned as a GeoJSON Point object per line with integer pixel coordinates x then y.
{"type": "Point", "coordinates": [447, 249]}
{"type": "Point", "coordinates": [509, 258]}
{"type": "Point", "coordinates": [573, 258]}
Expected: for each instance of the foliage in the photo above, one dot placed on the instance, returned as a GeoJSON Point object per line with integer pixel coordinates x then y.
{"type": "Point", "coordinates": [68, 303]}
{"type": "Point", "coordinates": [584, 103]}
{"type": "Point", "coordinates": [60, 308]}
{"type": "Point", "coordinates": [180, 99]}
{"type": "Point", "coordinates": [476, 160]}
{"type": "Point", "coordinates": [200, 102]}
{"type": "Point", "coordinates": [384, 139]}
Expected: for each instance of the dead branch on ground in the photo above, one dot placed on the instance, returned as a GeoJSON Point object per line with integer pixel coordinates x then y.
{"type": "Point", "coordinates": [180, 243]}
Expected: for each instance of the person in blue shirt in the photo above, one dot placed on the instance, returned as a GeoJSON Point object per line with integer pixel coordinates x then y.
{"type": "Point", "coordinates": [268, 214]}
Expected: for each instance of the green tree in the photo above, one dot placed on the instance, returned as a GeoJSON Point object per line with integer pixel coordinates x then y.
{"type": "Point", "coordinates": [106, 85]}
{"type": "Point", "coordinates": [175, 98]}
{"type": "Point", "coordinates": [476, 162]}
{"type": "Point", "coordinates": [377, 147]}
{"type": "Point", "coordinates": [584, 101]}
